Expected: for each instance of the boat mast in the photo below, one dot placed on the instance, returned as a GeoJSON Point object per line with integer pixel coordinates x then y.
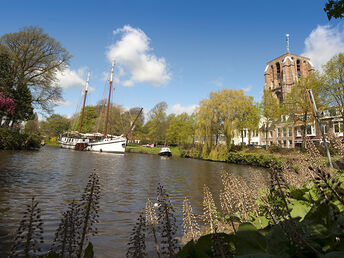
{"type": "Point", "coordinates": [108, 102]}
{"type": "Point", "coordinates": [83, 105]}
{"type": "Point", "coordinates": [133, 124]}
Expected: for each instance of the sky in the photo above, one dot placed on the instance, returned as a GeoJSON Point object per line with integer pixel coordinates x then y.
{"type": "Point", "coordinates": [174, 51]}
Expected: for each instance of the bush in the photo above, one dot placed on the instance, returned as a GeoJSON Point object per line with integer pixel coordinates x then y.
{"type": "Point", "coordinates": [11, 140]}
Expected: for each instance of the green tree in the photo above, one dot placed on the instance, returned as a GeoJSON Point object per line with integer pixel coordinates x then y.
{"type": "Point", "coordinates": [55, 125]}
{"type": "Point", "coordinates": [247, 118]}
{"type": "Point", "coordinates": [334, 9]}
{"type": "Point", "coordinates": [332, 90]}
{"type": "Point", "coordinates": [180, 129]}
{"type": "Point", "coordinates": [35, 58]}
{"type": "Point", "coordinates": [222, 114]}
{"type": "Point", "coordinates": [32, 126]}
{"type": "Point", "coordinates": [89, 121]}
{"type": "Point", "coordinates": [157, 123]}
{"type": "Point", "coordinates": [297, 106]}
{"type": "Point", "coordinates": [271, 112]}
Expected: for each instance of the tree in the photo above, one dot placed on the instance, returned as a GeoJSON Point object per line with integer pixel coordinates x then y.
{"type": "Point", "coordinates": [248, 118]}
{"type": "Point", "coordinates": [89, 121]}
{"type": "Point", "coordinates": [221, 114]}
{"type": "Point", "coordinates": [332, 90]}
{"type": "Point", "coordinates": [180, 129]}
{"type": "Point", "coordinates": [54, 125]}
{"type": "Point", "coordinates": [334, 9]}
{"type": "Point", "coordinates": [34, 59]}
{"type": "Point", "coordinates": [271, 112]}
{"type": "Point", "coordinates": [157, 123]}
{"type": "Point", "coordinates": [297, 106]}
{"type": "Point", "coordinates": [32, 126]}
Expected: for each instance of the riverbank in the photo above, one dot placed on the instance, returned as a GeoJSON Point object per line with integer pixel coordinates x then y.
{"type": "Point", "coordinates": [235, 157]}
{"type": "Point", "coordinates": [12, 140]}
{"type": "Point", "coordinates": [151, 150]}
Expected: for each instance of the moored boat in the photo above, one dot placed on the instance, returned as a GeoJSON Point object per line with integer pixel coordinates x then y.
{"type": "Point", "coordinates": [165, 152]}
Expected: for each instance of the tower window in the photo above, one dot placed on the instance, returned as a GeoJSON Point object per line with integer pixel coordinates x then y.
{"type": "Point", "coordinates": [298, 68]}
{"type": "Point", "coordinates": [278, 68]}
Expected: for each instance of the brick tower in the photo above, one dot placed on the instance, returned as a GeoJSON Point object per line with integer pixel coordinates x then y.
{"type": "Point", "coordinates": [283, 72]}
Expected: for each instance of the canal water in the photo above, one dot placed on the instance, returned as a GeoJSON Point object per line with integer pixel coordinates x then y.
{"type": "Point", "coordinates": [56, 176]}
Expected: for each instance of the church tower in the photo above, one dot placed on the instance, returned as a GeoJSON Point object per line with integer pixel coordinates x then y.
{"type": "Point", "coordinates": [283, 72]}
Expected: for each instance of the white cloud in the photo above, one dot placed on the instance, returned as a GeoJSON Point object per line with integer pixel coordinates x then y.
{"type": "Point", "coordinates": [218, 82]}
{"type": "Point", "coordinates": [323, 43]}
{"type": "Point", "coordinates": [247, 89]}
{"type": "Point", "coordinates": [134, 57]}
{"type": "Point", "coordinates": [72, 78]}
{"type": "Point", "coordinates": [178, 109]}
{"type": "Point", "coordinates": [65, 103]}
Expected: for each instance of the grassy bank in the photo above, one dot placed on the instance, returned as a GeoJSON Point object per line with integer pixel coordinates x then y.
{"type": "Point", "coordinates": [155, 150]}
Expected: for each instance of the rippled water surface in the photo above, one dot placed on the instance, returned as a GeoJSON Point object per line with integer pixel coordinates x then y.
{"type": "Point", "coordinates": [56, 176]}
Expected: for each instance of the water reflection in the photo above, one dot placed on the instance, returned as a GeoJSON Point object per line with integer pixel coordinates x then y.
{"type": "Point", "coordinates": [56, 176]}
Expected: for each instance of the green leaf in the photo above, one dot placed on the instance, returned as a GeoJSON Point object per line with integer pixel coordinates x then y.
{"type": "Point", "coordinates": [89, 251]}
{"type": "Point", "coordinates": [336, 254]}
{"type": "Point", "coordinates": [299, 208]}
{"type": "Point", "coordinates": [250, 240]}
{"type": "Point", "coordinates": [51, 255]}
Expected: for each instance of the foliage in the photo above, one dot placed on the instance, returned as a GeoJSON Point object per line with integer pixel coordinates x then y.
{"type": "Point", "coordinates": [332, 90]}
{"type": "Point", "coordinates": [70, 237]}
{"type": "Point", "coordinates": [89, 121]}
{"type": "Point", "coordinates": [33, 60]}
{"type": "Point", "coordinates": [224, 112]}
{"type": "Point", "coordinates": [157, 124]}
{"type": "Point", "coordinates": [334, 9]}
{"type": "Point", "coordinates": [54, 125]}
{"type": "Point", "coordinates": [180, 129]}
{"type": "Point", "coordinates": [297, 106]}
{"type": "Point", "coordinates": [271, 112]}
{"type": "Point", "coordinates": [32, 126]}
{"type": "Point", "coordinates": [301, 222]}
{"type": "Point", "coordinates": [11, 140]}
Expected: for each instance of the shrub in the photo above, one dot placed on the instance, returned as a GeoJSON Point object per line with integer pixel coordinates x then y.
{"type": "Point", "coordinates": [11, 140]}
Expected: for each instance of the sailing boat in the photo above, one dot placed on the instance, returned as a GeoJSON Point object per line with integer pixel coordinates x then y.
{"type": "Point", "coordinates": [76, 140]}
{"type": "Point", "coordinates": [109, 143]}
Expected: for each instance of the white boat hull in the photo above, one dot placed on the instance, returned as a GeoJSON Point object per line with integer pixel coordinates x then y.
{"type": "Point", "coordinates": [70, 143]}
{"type": "Point", "coordinates": [109, 145]}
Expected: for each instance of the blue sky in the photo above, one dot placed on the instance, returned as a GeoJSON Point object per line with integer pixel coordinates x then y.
{"type": "Point", "coordinates": [175, 51]}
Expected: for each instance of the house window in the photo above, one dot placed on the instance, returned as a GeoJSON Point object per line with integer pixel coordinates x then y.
{"type": "Point", "coordinates": [337, 126]}
{"type": "Point", "coordinates": [290, 131]}
{"type": "Point", "coordinates": [298, 131]}
{"type": "Point", "coordinates": [290, 143]}
{"type": "Point", "coordinates": [310, 130]}
{"type": "Point", "coordinates": [279, 132]}
{"type": "Point", "coordinates": [279, 142]}
{"type": "Point", "coordinates": [271, 134]}
{"type": "Point", "coordinates": [284, 143]}
{"type": "Point", "coordinates": [284, 132]}
{"type": "Point", "coordinates": [271, 143]}
{"type": "Point", "coordinates": [324, 128]}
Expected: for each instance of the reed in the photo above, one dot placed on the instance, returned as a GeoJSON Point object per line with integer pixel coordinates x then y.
{"type": "Point", "coordinates": [167, 224]}
{"type": "Point", "coordinates": [137, 243]}
{"type": "Point", "coordinates": [89, 207]}
{"type": "Point", "coordinates": [210, 213]}
{"type": "Point", "coordinates": [29, 235]}
{"type": "Point", "coordinates": [152, 222]}
{"type": "Point", "coordinates": [190, 225]}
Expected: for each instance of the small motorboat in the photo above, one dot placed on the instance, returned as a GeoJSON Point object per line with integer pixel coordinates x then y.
{"type": "Point", "coordinates": [165, 152]}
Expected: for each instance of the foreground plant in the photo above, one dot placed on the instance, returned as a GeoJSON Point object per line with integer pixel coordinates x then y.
{"type": "Point", "coordinates": [29, 234]}
{"type": "Point", "coordinates": [152, 222]}
{"type": "Point", "coordinates": [190, 225]}
{"type": "Point", "coordinates": [137, 244]}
